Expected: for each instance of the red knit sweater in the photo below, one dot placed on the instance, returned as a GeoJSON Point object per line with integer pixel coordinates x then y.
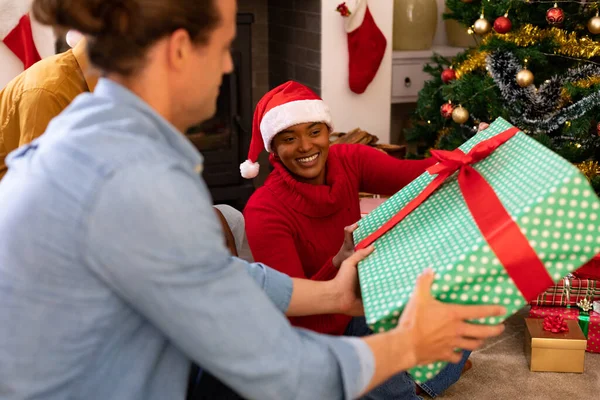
{"type": "Point", "coordinates": [297, 227]}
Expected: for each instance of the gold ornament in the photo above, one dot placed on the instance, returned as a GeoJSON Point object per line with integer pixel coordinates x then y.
{"type": "Point", "coordinates": [594, 25]}
{"type": "Point", "coordinates": [460, 115]}
{"type": "Point", "coordinates": [482, 26]}
{"type": "Point", "coordinates": [524, 77]}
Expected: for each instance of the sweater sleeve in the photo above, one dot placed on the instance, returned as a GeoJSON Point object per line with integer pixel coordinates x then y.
{"type": "Point", "coordinates": [381, 173]}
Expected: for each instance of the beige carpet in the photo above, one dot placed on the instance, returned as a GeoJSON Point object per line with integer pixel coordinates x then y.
{"type": "Point", "coordinates": [500, 371]}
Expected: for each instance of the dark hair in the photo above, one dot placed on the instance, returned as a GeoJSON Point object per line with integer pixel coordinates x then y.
{"type": "Point", "coordinates": [119, 32]}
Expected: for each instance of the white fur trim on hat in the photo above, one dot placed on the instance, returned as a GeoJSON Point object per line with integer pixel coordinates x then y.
{"type": "Point", "coordinates": [289, 114]}
{"type": "Point", "coordinates": [355, 19]}
{"type": "Point", "coordinates": [249, 169]}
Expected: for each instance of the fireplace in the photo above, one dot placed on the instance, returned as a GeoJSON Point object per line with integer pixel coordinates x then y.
{"type": "Point", "coordinates": [224, 139]}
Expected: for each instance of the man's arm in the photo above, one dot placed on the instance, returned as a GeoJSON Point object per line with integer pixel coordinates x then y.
{"type": "Point", "coordinates": [154, 239]}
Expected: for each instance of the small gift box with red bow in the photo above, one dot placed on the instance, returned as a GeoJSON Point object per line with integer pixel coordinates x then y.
{"type": "Point", "coordinates": [583, 314]}
{"type": "Point", "coordinates": [554, 344]}
{"type": "Point", "coordinates": [500, 220]}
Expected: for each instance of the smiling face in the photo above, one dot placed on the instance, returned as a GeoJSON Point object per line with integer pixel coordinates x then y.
{"type": "Point", "coordinates": [303, 150]}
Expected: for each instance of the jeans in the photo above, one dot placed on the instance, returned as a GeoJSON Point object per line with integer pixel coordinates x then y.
{"type": "Point", "coordinates": [402, 386]}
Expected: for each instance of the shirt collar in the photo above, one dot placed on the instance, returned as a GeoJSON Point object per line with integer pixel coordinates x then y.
{"type": "Point", "coordinates": [80, 53]}
{"type": "Point", "coordinates": [122, 96]}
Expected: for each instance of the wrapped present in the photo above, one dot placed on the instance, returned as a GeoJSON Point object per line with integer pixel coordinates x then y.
{"type": "Point", "coordinates": [588, 320]}
{"type": "Point", "coordinates": [591, 270]}
{"type": "Point", "coordinates": [569, 292]}
{"type": "Point", "coordinates": [554, 351]}
{"type": "Point", "coordinates": [514, 220]}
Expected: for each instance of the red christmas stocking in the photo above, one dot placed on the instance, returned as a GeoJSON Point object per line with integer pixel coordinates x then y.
{"type": "Point", "coordinates": [20, 41]}
{"type": "Point", "coordinates": [366, 45]}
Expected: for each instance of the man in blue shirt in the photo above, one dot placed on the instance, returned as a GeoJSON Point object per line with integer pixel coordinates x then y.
{"type": "Point", "coordinates": [113, 274]}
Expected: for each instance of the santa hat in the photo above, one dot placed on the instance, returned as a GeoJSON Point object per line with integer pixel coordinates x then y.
{"type": "Point", "coordinates": [287, 105]}
{"type": "Point", "coordinates": [15, 31]}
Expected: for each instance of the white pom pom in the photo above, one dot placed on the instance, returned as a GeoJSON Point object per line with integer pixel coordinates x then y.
{"type": "Point", "coordinates": [249, 169]}
{"type": "Point", "coordinates": [73, 37]}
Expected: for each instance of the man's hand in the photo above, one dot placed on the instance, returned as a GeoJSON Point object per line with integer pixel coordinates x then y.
{"type": "Point", "coordinates": [347, 247]}
{"type": "Point", "coordinates": [435, 329]}
{"type": "Point", "coordinates": [347, 286]}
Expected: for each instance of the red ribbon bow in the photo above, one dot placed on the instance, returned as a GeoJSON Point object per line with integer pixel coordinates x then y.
{"type": "Point", "coordinates": [555, 324]}
{"type": "Point", "coordinates": [497, 227]}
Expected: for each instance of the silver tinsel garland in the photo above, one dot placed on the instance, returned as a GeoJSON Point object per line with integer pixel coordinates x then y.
{"type": "Point", "coordinates": [539, 109]}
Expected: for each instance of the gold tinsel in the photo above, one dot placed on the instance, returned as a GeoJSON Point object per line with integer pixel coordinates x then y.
{"type": "Point", "coordinates": [582, 83]}
{"type": "Point", "coordinates": [568, 45]}
{"type": "Point", "coordinates": [587, 82]}
{"type": "Point", "coordinates": [591, 169]}
{"type": "Point", "coordinates": [443, 132]}
{"type": "Point", "coordinates": [474, 62]}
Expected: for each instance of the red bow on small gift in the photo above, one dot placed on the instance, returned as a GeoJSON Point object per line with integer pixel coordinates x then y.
{"type": "Point", "coordinates": [343, 9]}
{"type": "Point", "coordinates": [555, 324]}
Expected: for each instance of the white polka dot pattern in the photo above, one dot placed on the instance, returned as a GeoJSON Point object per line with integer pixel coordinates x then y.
{"type": "Point", "coordinates": [547, 196]}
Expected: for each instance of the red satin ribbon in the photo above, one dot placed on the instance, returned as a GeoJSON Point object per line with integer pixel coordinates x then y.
{"type": "Point", "coordinates": [497, 227]}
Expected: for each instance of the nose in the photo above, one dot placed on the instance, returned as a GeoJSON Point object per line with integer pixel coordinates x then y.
{"type": "Point", "coordinates": [305, 144]}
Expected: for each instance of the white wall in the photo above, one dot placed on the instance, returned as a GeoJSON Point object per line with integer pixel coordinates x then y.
{"type": "Point", "coordinates": [370, 110]}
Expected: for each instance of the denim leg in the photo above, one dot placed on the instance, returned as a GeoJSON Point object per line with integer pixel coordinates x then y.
{"type": "Point", "coordinates": [399, 386]}
{"type": "Point", "coordinates": [446, 378]}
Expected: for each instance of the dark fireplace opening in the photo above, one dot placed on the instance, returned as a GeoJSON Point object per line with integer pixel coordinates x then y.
{"type": "Point", "coordinates": [224, 139]}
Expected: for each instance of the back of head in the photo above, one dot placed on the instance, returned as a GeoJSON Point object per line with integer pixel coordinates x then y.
{"type": "Point", "coordinates": [119, 32]}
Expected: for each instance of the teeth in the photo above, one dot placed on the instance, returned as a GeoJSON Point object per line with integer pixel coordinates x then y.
{"type": "Point", "coordinates": [308, 159]}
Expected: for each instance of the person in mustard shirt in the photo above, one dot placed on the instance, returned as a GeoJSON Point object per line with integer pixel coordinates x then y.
{"type": "Point", "coordinates": [40, 93]}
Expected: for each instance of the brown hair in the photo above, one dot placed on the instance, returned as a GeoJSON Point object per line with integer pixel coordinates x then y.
{"type": "Point", "coordinates": [120, 32]}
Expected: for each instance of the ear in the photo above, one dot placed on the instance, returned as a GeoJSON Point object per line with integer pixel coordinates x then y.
{"type": "Point", "coordinates": [179, 47]}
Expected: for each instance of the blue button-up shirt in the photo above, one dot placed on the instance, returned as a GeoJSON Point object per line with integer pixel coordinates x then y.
{"type": "Point", "coordinates": [114, 275]}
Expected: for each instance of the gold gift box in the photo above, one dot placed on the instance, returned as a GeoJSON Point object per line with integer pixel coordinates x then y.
{"type": "Point", "coordinates": [554, 352]}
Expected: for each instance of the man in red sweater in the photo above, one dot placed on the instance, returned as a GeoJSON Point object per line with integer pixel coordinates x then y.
{"type": "Point", "coordinates": [301, 221]}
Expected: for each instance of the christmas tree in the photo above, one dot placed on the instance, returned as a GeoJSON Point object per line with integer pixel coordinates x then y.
{"type": "Point", "coordinates": [537, 65]}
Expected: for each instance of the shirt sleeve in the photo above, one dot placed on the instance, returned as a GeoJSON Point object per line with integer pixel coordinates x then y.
{"type": "Point", "coordinates": [153, 238]}
{"type": "Point", "coordinates": [381, 173]}
{"type": "Point", "coordinates": [272, 242]}
{"type": "Point", "coordinates": [37, 107]}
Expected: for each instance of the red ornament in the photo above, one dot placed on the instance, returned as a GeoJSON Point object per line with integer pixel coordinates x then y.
{"type": "Point", "coordinates": [555, 324]}
{"type": "Point", "coordinates": [502, 24]}
{"type": "Point", "coordinates": [598, 129]}
{"type": "Point", "coordinates": [555, 16]}
{"type": "Point", "coordinates": [343, 9]}
{"type": "Point", "coordinates": [446, 110]}
{"type": "Point", "coordinates": [448, 75]}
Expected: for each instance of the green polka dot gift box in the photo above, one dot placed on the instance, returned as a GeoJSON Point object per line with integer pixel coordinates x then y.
{"type": "Point", "coordinates": [500, 220]}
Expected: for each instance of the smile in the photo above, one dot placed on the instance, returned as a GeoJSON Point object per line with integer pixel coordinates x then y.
{"type": "Point", "coordinates": [309, 159]}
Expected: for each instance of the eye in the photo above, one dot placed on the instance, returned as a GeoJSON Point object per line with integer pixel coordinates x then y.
{"type": "Point", "coordinates": [288, 139]}
{"type": "Point", "coordinates": [315, 133]}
